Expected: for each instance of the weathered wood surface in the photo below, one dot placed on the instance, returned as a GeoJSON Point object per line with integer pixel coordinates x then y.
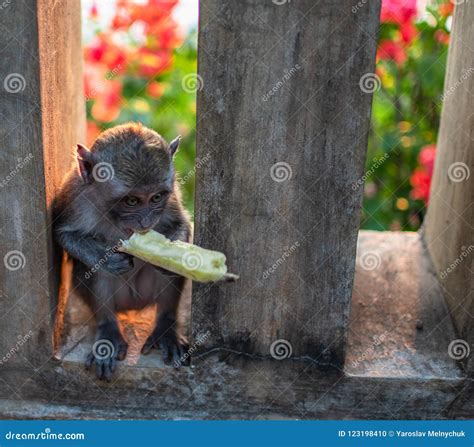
{"type": "Point", "coordinates": [39, 115]}
{"type": "Point", "coordinates": [282, 132]}
{"type": "Point", "coordinates": [238, 387]}
{"type": "Point", "coordinates": [393, 370]}
{"type": "Point", "coordinates": [449, 225]}
{"type": "Point", "coordinates": [399, 325]}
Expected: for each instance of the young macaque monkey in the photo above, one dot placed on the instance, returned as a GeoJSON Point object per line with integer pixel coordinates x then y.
{"type": "Point", "coordinates": [125, 183]}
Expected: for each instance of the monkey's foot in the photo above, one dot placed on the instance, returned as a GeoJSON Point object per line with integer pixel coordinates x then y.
{"type": "Point", "coordinates": [104, 356]}
{"type": "Point", "coordinates": [164, 337]}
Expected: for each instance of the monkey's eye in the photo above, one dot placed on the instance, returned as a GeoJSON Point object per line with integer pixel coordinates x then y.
{"type": "Point", "coordinates": [156, 198]}
{"type": "Point", "coordinates": [131, 201]}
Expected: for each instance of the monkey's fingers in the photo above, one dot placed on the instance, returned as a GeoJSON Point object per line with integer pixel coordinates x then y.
{"type": "Point", "coordinates": [149, 345]}
{"type": "Point", "coordinates": [89, 361]}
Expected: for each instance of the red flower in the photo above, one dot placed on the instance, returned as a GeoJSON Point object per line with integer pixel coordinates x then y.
{"type": "Point", "coordinates": [427, 157]}
{"type": "Point", "coordinates": [93, 13]}
{"type": "Point", "coordinates": [420, 180]}
{"type": "Point", "coordinates": [442, 36]}
{"type": "Point", "coordinates": [152, 63]}
{"type": "Point", "coordinates": [155, 89]}
{"type": "Point", "coordinates": [389, 50]}
{"type": "Point", "coordinates": [103, 50]}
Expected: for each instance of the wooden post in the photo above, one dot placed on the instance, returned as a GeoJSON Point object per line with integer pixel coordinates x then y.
{"type": "Point", "coordinates": [42, 115]}
{"type": "Point", "coordinates": [450, 220]}
{"type": "Point", "coordinates": [283, 116]}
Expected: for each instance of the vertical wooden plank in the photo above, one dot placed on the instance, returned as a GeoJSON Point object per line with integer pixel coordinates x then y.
{"type": "Point", "coordinates": [449, 225]}
{"type": "Point", "coordinates": [41, 118]}
{"type": "Point", "coordinates": [283, 116]}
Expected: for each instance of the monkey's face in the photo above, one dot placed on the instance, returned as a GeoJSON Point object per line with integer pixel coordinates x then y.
{"type": "Point", "coordinates": [140, 209]}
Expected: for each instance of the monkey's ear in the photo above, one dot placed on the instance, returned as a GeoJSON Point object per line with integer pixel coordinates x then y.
{"type": "Point", "coordinates": [174, 145]}
{"type": "Point", "coordinates": [84, 162]}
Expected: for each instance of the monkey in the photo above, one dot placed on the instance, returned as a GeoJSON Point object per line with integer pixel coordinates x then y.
{"type": "Point", "coordinates": [124, 183]}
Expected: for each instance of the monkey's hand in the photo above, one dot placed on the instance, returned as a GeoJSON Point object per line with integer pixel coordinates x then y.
{"type": "Point", "coordinates": [165, 337]}
{"type": "Point", "coordinates": [108, 348]}
{"type": "Point", "coordinates": [118, 263]}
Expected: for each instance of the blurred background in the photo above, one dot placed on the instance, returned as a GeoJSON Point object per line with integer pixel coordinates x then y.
{"type": "Point", "coordinates": [140, 60]}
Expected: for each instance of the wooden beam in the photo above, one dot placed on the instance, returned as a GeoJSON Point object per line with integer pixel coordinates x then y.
{"type": "Point", "coordinates": [42, 115]}
{"type": "Point", "coordinates": [449, 225]}
{"type": "Point", "coordinates": [282, 132]}
{"type": "Point", "coordinates": [238, 388]}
